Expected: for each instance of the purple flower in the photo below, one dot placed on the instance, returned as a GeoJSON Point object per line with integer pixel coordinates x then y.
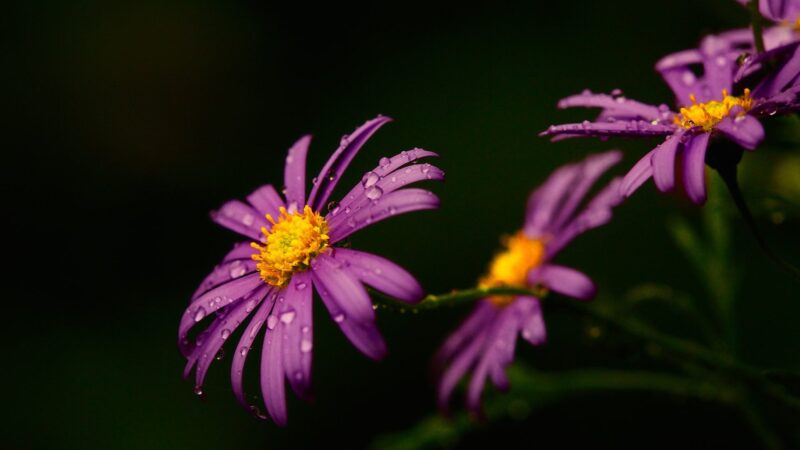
{"type": "Point", "coordinates": [787, 11]}
{"type": "Point", "coordinates": [712, 103]}
{"type": "Point", "coordinates": [484, 343]}
{"type": "Point", "coordinates": [293, 252]}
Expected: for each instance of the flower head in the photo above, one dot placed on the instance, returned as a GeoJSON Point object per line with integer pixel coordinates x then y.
{"type": "Point", "coordinates": [556, 213]}
{"type": "Point", "coordinates": [293, 252]}
{"type": "Point", "coordinates": [716, 102]}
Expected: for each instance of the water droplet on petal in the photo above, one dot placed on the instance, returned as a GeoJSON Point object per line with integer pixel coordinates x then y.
{"type": "Point", "coordinates": [339, 318]}
{"type": "Point", "coordinates": [300, 285]}
{"type": "Point", "coordinates": [306, 345]}
{"type": "Point", "coordinates": [272, 321]}
{"type": "Point", "coordinates": [369, 179]}
{"type": "Point", "coordinates": [287, 317]}
{"type": "Point", "coordinates": [243, 351]}
{"type": "Point", "coordinates": [384, 162]}
{"type": "Point", "coordinates": [374, 193]}
{"type": "Point", "coordinates": [198, 390]}
{"type": "Point", "coordinates": [199, 314]}
{"type": "Point", "coordinates": [306, 329]}
{"type": "Point", "coordinates": [224, 334]}
{"type": "Point", "coordinates": [237, 270]}
{"type": "Point", "coordinates": [251, 304]}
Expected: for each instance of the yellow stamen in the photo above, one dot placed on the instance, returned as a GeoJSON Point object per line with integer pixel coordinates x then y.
{"type": "Point", "coordinates": [510, 267]}
{"type": "Point", "coordinates": [709, 114]}
{"type": "Point", "coordinates": [290, 245]}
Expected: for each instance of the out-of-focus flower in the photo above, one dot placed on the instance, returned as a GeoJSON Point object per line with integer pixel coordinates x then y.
{"type": "Point", "coordinates": [292, 253]}
{"type": "Point", "coordinates": [708, 85]}
{"type": "Point", "coordinates": [484, 343]}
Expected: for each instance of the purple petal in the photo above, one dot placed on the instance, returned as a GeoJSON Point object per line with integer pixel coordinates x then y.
{"type": "Point", "coordinates": [294, 175]}
{"type": "Point", "coordinates": [597, 212]}
{"type": "Point", "coordinates": [388, 205]}
{"type": "Point", "coordinates": [618, 106]}
{"type": "Point", "coordinates": [381, 274]}
{"type": "Point", "coordinates": [531, 320]}
{"type": "Point", "coordinates": [338, 162]}
{"type": "Point", "coordinates": [482, 314]}
{"type": "Point", "coordinates": [694, 165]}
{"type": "Point", "coordinates": [272, 387]}
{"type": "Point", "coordinates": [241, 218]}
{"type": "Point", "coordinates": [591, 169]}
{"type": "Point", "coordinates": [245, 345]}
{"type": "Point", "coordinates": [266, 200]}
{"type": "Point", "coordinates": [719, 67]}
{"type": "Point", "coordinates": [227, 271]}
{"type": "Point", "coordinates": [639, 173]}
{"type": "Point", "coordinates": [214, 299]}
{"type": "Point", "coordinates": [745, 130]}
{"type": "Point", "coordinates": [663, 163]}
{"type": "Point", "coordinates": [780, 79]}
{"type": "Point", "coordinates": [374, 186]}
{"type": "Point", "coordinates": [334, 282]}
{"type": "Point", "coordinates": [564, 280]}
{"type": "Point", "coordinates": [542, 203]}
{"type": "Point", "coordinates": [240, 250]}
{"type": "Point", "coordinates": [219, 332]}
{"type": "Point", "coordinates": [498, 350]}
{"type": "Point", "coordinates": [462, 362]}
{"type": "Point", "coordinates": [628, 128]}
{"type": "Point", "coordinates": [296, 319]}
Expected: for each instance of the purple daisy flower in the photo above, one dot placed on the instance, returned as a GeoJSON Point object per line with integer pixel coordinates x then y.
{"type": "Point", "coordinates": [291, 253]}
{"type": "Point", "coordinates": [484, 343]}
{"type": "Point", "coordinates": [786, 11]}
{"type": "Point", "coordinates": [706, 108]}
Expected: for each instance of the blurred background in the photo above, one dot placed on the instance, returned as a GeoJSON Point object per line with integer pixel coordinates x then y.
{"type": "Point", "coordinates": [129, 121]}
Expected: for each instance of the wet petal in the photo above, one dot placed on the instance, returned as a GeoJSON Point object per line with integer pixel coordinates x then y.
{"type": "Point", "coordinates": [332, 171]}
{"type": "Point", "coordinates": [266, 200]}
{"type": "Point", "coordinates": [294, 175]}
{"type": "Point", "coordinates": [381, 274]}
{"type": "Point", "coordinates": [745, 130]}
{"type": "Point", "coordinates": [241, 218]}
{"type": "Point", "coordinates": [333, 281]}
{"type": "Point", "coordinates": [663, 163]}
{"type": "Point", "coordinates": [694, 165]}
{"type": "Point", "coordinates": [383, 207]}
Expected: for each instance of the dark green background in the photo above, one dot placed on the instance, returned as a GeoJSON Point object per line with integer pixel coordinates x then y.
{"type": "Point", "coordinates": [130, 121]}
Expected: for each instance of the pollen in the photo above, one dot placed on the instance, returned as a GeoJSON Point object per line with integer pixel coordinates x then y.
{"type": "Point", "coordinates": [290, 245]}
{"type": "Point", "coordinates": [709, 114]}
{"type": "Point", "coordinates": [510, 267]}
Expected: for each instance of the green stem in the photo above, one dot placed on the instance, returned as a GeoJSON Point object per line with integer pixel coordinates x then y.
{"type": "Point", "coordinates": [756, 20]}
{"type": "Point", "coordinates": [728, 174]}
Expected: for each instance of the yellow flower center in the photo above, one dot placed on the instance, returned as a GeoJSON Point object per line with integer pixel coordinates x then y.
{"type": "Point", "coordinates": [510, 267]}
{"type": "Point", "coordinates": [709, 114]}
{"type": "Point", "coordinates": [294, 240]}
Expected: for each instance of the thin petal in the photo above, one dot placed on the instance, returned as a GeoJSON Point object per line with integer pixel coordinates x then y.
{"type": "Point", "coordinates": [531, 320]}
{"type": "Point", "coordinates": [219, 332]}
{"type": "Point", "coordinates": [482, 314]}
{"type": "Point", "coordinates": [209, 302]}
{"type": "Point", "coordinates": [591, 169]}
{"type": "Point", "coordinates": [628, 128]}
{"type": "Point", "coordinates": [225, 272]}
{"type": "Point", "coordinates": [381, 274]}
{"type": "Point", "coordinates": [663, 163]}
{"type": "Point", "coordinates": [639, 173]}
{"type": "Point", "coordinates": [461, 364]}
{"type": "Point", "coordinates": [387, 205]}
{"type": "Point", "coordinates": [618, 106]}
{"type": "Point", "coordinates": [245, 346]}
{"type": "Point", "coordinates": [564, 280]}
{"type": "Point", "coordinates": [745, 130]}
{"type": "Point", "coordinates": [272, 381]}
{"type": "Point", "coordinates": [241, 218]}
{"type": "Point", "coordinates": [294, 175]}
{"type": "Point", "coordinates": [296, 320]}
{"type": "Point", "coordinates": [334, 282]}
{"type": "Point", "coordinates": [694, 165]}
{"type": "Point", "coordinates": [332, 171]}
{"type": "Point", "coordinates": [266, 200]}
